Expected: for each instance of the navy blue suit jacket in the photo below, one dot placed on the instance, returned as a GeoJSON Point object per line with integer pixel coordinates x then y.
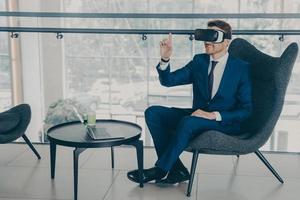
{"type": "Point", "coordinates": [233, 99]}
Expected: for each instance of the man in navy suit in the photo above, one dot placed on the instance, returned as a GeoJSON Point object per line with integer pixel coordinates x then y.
{"type": "Point", "coordinates": [221, 101]}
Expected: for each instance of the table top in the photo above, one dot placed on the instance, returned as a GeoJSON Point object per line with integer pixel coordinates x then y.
{"type": "Point", "coordinates": [74, 134]}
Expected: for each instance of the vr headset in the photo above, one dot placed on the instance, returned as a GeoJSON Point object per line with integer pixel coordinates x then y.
{"type": "Point", "coordinates": [211, 35]}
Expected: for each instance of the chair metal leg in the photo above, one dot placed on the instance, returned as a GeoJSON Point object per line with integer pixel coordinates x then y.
{"type": "Point", "coordinates": [31, 146]}
{"type": "Point", "coordinates": [265, 161]}
{"type": "Point", "coordinates": [112, 157]}
{"type": "Point", "coordinates": [193, 168]}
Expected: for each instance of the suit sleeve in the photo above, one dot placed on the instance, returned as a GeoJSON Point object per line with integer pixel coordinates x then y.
{"type": "Point", "coordinates": [181, 76]}
{"type": "Point", "coordinates": [244, 98]}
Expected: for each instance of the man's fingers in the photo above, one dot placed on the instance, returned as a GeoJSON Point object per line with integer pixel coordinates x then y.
{"type": "Point", "coordinates": [170, 37]}
{"type": "Point", "coordinates": [202, 114]}
{"type": "Point", "coordinates": [169, 42]}
{"type": "Point", "coordinates": [164, 42]}
{"type": "Point", "coordinates": [197, 114]}
{"type": "Point", "coordinates": [194, 114]}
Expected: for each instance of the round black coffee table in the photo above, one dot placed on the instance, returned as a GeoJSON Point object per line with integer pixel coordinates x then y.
{"type": "Point", "coordinates": [74, 134]}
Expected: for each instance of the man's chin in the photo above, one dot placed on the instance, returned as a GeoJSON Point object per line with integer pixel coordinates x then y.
{"type": "Point", "coordinates": [208, 52]}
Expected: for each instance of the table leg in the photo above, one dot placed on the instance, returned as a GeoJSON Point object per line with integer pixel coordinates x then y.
{"type": "Point", "coordinates": [140, 159]}
{"type": "Point", "coordinates": [76, 153]}
{"type": "Point", "coordinates": [52, 158]}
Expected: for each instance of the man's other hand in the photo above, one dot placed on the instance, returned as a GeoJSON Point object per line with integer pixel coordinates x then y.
{"type": "Point", "coordinates": [204, 114]}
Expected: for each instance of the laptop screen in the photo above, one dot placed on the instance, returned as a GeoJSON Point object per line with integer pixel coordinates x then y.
{"type": "Point", "coordinates": [78, 115]}
{"type": "Point", "coordinates": [96, 133]}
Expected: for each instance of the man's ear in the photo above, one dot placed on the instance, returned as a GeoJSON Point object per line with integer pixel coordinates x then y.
{"type": "Point", "coordinates": [227, 42]}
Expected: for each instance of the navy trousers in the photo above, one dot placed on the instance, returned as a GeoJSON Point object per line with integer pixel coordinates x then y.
{"type": "Point", "coordinates": [172, 129]}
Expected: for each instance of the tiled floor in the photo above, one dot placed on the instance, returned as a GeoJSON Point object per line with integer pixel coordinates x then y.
{"type": "Point", "coordinates": [24, 177]}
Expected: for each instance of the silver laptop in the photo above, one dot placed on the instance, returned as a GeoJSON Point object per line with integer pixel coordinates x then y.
{"type": "Point", "coordinates": [96, 133]}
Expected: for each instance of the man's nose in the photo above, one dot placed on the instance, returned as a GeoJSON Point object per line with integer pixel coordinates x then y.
{"type": "Point", "coordinates": [207, 43]}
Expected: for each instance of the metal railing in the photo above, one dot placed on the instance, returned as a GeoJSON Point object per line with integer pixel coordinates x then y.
{"type": "Point", "coordinates": [146, 16]}
{"type": "Point", "coordinates": [140, 31]}
{"type": "Point", "coordinates": [154, 15]}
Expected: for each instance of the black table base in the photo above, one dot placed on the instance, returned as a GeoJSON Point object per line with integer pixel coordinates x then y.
{"type": "Point", "coordinates": [138, 144]}
{"type": "Point", "coordinates": [74, 134]}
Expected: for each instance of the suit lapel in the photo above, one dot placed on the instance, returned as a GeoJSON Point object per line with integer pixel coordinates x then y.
{"type": "Point", "coordinates": [205, 73]}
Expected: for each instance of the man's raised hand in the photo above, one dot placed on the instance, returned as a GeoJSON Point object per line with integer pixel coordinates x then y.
{"type": "Point", "coordinates": [166, 47]}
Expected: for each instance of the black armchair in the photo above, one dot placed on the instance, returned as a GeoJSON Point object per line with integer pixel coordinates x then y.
{"type": "Point", "coordinates": [270, 77]}
{"type": "Point", "coordinates": [13, 124]}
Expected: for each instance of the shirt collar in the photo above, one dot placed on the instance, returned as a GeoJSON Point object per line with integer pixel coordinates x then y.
{"type": "Point", "coordinates": [222, 59]}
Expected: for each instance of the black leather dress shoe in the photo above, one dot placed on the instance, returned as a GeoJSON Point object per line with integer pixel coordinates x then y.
{"type": "Point", "coordinates": [175, 176]}
{"type": "Point", "coordinates": [151, 174]}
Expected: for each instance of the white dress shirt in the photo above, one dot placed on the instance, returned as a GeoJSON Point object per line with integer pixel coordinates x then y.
{"type": "Point", "coordinates": [163, 65]}
{"type": "Point", "coordinates": [218, 74]}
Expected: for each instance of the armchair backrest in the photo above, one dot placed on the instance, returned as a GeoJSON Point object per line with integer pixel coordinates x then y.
{"type": "Point", "coordinates": [270, 77]}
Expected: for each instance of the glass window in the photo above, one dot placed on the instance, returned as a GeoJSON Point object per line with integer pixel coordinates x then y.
{"type": "Point", "coordinates": [260, 6]}
{"type": "Point", "coordinates": [5, 67]}
{"type": "Point", "coordinates": [119, 70]}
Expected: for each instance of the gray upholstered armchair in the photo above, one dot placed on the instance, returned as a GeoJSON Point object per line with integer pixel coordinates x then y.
{"type": "Point", "coordinates": [270, 77]}
{"type": "Point", "coordinates": [13, 124]}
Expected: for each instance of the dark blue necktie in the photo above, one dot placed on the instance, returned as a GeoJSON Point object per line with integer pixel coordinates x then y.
{"type": "Point", "coordinates": [211, 77]}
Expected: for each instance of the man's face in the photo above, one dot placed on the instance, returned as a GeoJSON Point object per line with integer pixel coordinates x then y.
{"type": "Point", "coordinates": [214, 48]}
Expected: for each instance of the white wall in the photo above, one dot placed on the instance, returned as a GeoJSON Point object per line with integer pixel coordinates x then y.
{"type": "Point", "coordinates": [41, 57]}
{"type": "Point", "coordinates": [31, 68]}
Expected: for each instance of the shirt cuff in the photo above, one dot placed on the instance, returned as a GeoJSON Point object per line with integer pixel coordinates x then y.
{"type": "Point", "coordinates": [218, 116]}
{"type": "Point", "coordinates": [163, 65]}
